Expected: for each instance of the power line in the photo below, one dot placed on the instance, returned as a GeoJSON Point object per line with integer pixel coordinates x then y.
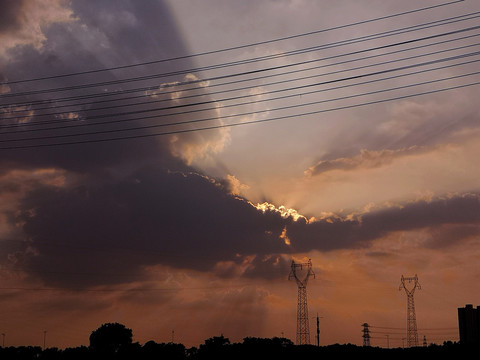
{"type": "Point", "coordinates": [235, 98]}
{"type": "Point", "coordinates": [238, 89]}
{"type": "Point", "coordinates": [244, 114]}
{"type": "Point", "coordinates": [419, 329]}
{"type": "Point", "coordinates": [154, 88]}
{"type": "Point", "coordinates": [271, 99]}
{"type": "Point", "coordinates": [236, 47]}
{"type": "Point", "coordinates": [385, 332]}
{"type": "Point", "coordinates": [268, 57]}
{"type": "Point", "coordinates": [216, 101]}
{"type": "Point", "coordinates": [238, 124]}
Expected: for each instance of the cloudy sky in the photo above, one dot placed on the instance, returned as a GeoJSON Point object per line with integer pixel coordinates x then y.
{"type": "Point", "coordinates": [162, 162]}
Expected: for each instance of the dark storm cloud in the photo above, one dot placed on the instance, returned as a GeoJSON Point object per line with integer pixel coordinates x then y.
{"type": "Point", "coordinates": [151, 217]}
{"type": "Point", "coordinates": [268, 267]}
{"type": "Point", "coordinates": [9, 12]}
{"type": "Point", "coordinates": [338, 233]}
{"type": "Point", "coordinates": [105, 35]}
{"type": "Point", "coordinates": [137, 31]}
{"type": "Point", "coordinates": [132, 204]}
{"type": "Point", "coordinates": [105, 232]}
{"type": "Point", "coordinates": [101, 36]}
{"type": "Point", "coordinates": [451, 234]}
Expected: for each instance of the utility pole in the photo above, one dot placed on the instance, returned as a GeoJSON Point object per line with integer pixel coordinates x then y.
{"type": "Point", "coordinates": [3, 340]}
{"type": "Point", "coordinates": [388, 341]}
{"type": "Point", "coordinates": [317, 337]}
{"type": "Point", "coordinates": [303, 331]}
{"type": "Point", "coordinates": [44, 338]}
{"type": "Point", "coordinates": [412, 334]}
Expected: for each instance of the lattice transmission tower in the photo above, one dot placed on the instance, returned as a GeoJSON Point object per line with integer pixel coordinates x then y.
{"type": "Point", "coordinates": [303, 331]}
{"type": "Point", "coordinates": [366, 334]}
{"type": "Point", "coordinates": [412, 334]}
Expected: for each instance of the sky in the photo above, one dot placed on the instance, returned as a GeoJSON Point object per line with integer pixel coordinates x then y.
{"type": "Point", "coordinates": [163, 162]}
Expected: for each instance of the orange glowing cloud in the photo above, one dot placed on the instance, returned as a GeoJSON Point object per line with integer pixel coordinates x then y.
{"type": "Point", "coordinates": [282, 210]}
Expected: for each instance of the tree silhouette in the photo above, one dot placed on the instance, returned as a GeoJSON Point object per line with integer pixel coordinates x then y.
{"type": "Point", "coordinates": [153, 351]}
{"type": "Point", "coordinates": [216, 342]}
{"type": "Point", "coordinates": [216, 347]}
{"type": "Point", "coordinates": [110, 338]}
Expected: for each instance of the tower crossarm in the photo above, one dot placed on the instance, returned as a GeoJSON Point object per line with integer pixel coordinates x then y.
{"type": "Point", "coordinates": [301, 282]}
{"type": "Point", "coordinates": [411, 290]}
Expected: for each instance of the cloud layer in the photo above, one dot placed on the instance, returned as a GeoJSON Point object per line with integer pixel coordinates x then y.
{"type": "Point", "coordinates": [186, 220]}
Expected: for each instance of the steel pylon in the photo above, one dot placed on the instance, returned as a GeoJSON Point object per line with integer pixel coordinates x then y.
{"type": "Point", "coordinates": [303, 331]}
{"type": "Point", "coordinates": [366, 334]}
{"type": "Point", "coordinates": [412, 334]}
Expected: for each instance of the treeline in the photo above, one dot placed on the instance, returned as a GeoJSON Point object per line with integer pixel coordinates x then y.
{"type": "Point", "coordinates": [249, 349]}
{"type": "Point", "coordinates": [113, 341]}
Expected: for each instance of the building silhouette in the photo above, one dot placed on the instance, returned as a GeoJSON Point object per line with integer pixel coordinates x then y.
{"type": "Point", "coordinates": [469, 324]}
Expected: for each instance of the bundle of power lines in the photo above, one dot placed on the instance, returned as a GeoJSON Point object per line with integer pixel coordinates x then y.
{"type": "Point", "coordinates": [394, 336]}
{"type": "Point", "coordinates": [172, 96]}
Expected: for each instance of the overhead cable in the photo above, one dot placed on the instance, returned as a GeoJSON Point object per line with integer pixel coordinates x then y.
{"type": "Point", "coordinates": [238, 47]}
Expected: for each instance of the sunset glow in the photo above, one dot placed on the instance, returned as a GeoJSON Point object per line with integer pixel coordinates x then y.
{"type": "Point", "coordinates": [163, 162]}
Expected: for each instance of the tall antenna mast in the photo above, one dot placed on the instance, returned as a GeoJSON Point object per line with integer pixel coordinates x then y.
{"type": "Point", "coordinates": [412, 334]}
{"type": "Point", "coordinates": [303, 331]}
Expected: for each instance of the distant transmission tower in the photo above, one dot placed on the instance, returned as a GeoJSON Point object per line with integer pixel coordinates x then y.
{"type": "Point", "coordinates": [303, 332]}
{"type": "Point", "coordinates": [366, 335]}
{"type": "Point", "coordinates": [412, 335]}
